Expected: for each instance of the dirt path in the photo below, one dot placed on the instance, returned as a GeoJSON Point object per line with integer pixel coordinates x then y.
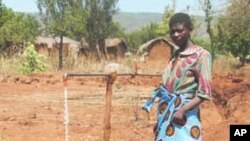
{"type": "Point", "coordinates": [31, 108]}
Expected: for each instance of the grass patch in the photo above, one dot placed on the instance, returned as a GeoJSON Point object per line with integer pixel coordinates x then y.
{"type": "Point", "coordinates": [225, 64]}
{"type": "Point", "coordinates": [9, 65]}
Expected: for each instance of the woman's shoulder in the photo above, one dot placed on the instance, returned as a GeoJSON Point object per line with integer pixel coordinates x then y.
{"type": "Point", "coordinates": [202, 51]}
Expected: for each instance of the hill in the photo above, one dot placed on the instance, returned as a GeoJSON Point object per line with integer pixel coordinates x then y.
{"type": "Point", "coordinates": [130, 21]}
{"type": "Point", "coordinates": [134, 21]}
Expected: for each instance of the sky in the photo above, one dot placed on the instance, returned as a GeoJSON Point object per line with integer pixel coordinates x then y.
{"type": "Point", "coordinates": [155, 6]}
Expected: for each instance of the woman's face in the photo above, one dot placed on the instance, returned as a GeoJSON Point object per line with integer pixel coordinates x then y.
{"type": "Point", "coordinates": [180, 34]}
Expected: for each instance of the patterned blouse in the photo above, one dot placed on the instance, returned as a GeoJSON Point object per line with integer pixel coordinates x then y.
{"type": "Point", "coordinates": [189, 71]}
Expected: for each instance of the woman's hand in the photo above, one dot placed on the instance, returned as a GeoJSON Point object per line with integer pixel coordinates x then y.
{"type": "Point", "coordinates": [179, 117]}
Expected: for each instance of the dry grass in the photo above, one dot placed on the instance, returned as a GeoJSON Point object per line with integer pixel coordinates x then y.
{"type": "Point", "coordinates": [3, 137]}
{"type": "Point", "coordinates": [93, 65]}
{"type": "Point", "coordinates": [9, 66]}
{"type": "Point", "coordinates": [224, 65]}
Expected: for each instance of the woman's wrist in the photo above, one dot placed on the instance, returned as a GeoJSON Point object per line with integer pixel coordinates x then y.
{"type": "Point", "coordinates": [183, 109]}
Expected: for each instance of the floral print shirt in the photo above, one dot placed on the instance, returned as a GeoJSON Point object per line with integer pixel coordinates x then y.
{"type": "Point", "coordinates": [189, 71]}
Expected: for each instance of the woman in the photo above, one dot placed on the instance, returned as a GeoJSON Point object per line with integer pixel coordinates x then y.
{"type": "Point", "coordinates": [186, 84]}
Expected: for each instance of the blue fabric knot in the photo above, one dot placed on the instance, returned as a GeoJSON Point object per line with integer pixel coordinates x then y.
{"type": "Point", "coordinates": [169, 103]}
{"type": "Point", "coordinates": [160, 92]}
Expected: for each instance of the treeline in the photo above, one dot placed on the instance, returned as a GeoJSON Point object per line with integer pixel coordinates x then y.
{"type": "Point", "coordinates": [16, 29]}
{"type": "Point", "coordinates": [93, 20]}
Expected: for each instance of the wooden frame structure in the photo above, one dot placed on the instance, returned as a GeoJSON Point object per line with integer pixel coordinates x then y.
{"type": "Point", "coordinates": [108, 100]}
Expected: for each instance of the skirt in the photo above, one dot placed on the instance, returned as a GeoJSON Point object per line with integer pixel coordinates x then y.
{"type": "Point", "coordinates": [165, 129]}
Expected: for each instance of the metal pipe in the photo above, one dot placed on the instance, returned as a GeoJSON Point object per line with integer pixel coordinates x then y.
{"type": "Point", "coordinates": [103, 74]}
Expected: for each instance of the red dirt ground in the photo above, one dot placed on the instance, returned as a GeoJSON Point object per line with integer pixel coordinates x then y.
{"type": "Point", "coordinates": [32, 108]}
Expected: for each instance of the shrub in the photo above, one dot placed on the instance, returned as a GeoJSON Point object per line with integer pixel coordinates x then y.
{"type": "Point", "coordinates": [31, 61]}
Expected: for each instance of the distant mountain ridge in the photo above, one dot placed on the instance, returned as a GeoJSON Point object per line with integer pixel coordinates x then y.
{"type": "Point", "coordinates": [130, 21]}
{"type": "Point", "coordinates": [134, 21]}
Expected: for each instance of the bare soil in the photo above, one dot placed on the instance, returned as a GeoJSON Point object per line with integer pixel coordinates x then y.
{"type": "Point", "coordinates": [32, 107]}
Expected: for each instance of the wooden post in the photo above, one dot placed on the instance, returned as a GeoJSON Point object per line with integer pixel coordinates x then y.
{"type": "Point", "coordinates": [108, 106]}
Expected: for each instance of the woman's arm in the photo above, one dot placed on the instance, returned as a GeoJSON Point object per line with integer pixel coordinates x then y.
{"type": "Point", "coordinates": [178, 117]}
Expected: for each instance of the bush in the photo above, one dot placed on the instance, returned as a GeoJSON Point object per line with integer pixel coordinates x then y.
{"type": "Point", "coordinates": [31, 61]}
{"type": "Point", "coordinates": [203, 43]}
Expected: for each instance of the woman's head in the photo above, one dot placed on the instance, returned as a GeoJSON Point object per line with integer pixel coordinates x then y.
{"type": "Point", "coordinates": [181, 18]}
{"type": "Point", "coordinates": [180, 26]}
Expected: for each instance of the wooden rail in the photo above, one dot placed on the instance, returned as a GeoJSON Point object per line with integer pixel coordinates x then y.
{"type": "Point", "coordinates": [104, 74]}
{"type": "Point", "coordinates": [108, 100]}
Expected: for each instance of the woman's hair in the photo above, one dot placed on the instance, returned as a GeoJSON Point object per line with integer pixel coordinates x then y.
{"type": "Point", "coordinates": [181, 18]}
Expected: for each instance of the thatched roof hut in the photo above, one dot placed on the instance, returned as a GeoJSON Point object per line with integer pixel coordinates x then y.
{"type": "Point", "coordinates": [46, 41]}
{"type": "Point", "coordinates": [155, 49]}
{"type": "Point", "coordinates": [66, 40]}
{"type": "Point", "coordinates": [49, 46]}
{"type": "Point", "coordinates": [156, 53]}
{"type": "Point", "coordinates": [116, 48]}
{"type": "Point", "coordinates": [45, 45]}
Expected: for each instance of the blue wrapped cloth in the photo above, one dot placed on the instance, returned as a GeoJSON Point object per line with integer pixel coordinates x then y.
{"type": "Point", "coordinates": [165, 129]}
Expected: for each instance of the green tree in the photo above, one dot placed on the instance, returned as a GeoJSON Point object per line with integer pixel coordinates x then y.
{"type": "Point", "coordinates": [76, 19]}
{"type": "Point", "coordinates": [149, 32]}
{"type": "Point", "coordinates": [1, 6]}
{"type": "Point", "coordinates": [55, 15]}
{"type": "Point", "coordinates": [163, 28]}
{"type": "Point", "coordinates": [100, 24]}
{"type": "Point", "coordinates": [15, 30]}
{"type": "Point", "coordinates": [234, 29]}
{"type": "Point", "coordinates": [202, 42]}
{"type": "Point", "coordinates": [6, 15]}
{"type": "Point", "coordinates": [207, 8]}
{"type": "Point", "coordinates": [137, 38]}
